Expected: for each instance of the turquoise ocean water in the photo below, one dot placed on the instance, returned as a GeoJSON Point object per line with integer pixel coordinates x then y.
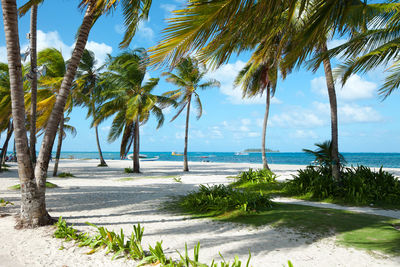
{"type": "Point", "coordinates": [388, 160]}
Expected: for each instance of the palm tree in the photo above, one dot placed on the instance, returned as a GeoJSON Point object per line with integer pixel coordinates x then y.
{"type": "Point", "coordinates": [129, 100]}
{"type": "Point", "coordinates": [33, 206]}
{"type": "Point", "coordinates": [63, 128]}
{"type": "Point", "coordinates": [33, 4]}
{"type": "Point", "coordinates": [88, 91]}
{"type": "Point", "coordinates": [188, 77]}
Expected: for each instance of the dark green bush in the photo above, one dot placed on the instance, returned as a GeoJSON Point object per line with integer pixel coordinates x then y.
{"type": "Point", "coordinates": [128, 170]}
{"type": "Point", "coordinates": [65, 174]}
{"type": "Point", "coordinates": [359, 185]}
{"type": "Point", "coordinates": [257, 176]}
{"type": "Point", "coordinates": [221, 198]}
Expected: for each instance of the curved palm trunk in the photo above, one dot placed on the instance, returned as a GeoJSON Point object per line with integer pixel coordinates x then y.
{"type": "Point", "coordinates": [264, 131]}
{"type": "Point", "coordinates": [5, 146]}
{"type": "Point", "coordinates": [185, 160]}
{"type": "Point", "coordinates": [33, 42]}
{"type": "Point", "coordinates": [60, 139]}
{"type": "Point", "coordinates": [102, 161]}
{"type": "Point", "coordinates": [58, 109]}
{"type": "Point", "coordinates": [334, 122]}
{"type": "Point", "coordinates": [136, 167]}
{"type": "Point", "coordinates": [33, 205]}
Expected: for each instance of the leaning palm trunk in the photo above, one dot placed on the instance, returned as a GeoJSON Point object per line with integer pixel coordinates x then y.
{"type": "Point", "coordinates": [185, 159]}
{"type": "Point", "coordinates": [59, 145]}
{"type": "Point", "coordinates": [102, 161]}
{"type": "Point", "coordinates": [33, 42]}
{"type": "Point", "coordinates": [5, 146]}
{"type": "Point", "coordinates": [33, 206]}
{"type": "Point", "coordinates": [334, 122]}
{"type": "Point", "coordinates": [136, 167]}
{"type": "Point", "coordinates": [58, 109]}
{"type": "Point", "coordinates": [264, 132]}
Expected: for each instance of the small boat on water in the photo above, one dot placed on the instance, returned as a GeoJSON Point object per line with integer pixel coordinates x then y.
{"type": "Point", "coordinates": [149, 159]}
{"type": "Point", "coordinates": [141, 156]}
{"type": "Point", "coordinates": [241, 154]}
{"type": "Point", "coordinates": [176, 154]}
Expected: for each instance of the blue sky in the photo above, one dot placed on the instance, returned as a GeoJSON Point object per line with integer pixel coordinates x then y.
{"type": "Point", "coordinates": [299, 115]}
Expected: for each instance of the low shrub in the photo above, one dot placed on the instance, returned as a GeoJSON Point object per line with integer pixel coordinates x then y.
{"type": "Point", "coordinates": [65, 175]}
{"type": "Point", "coordinates": [18, 186]}
{"type": "Point", "coordinates": [221, 198]}
{"type": "Point", "coordinates": [257, 176]}
{"type": "Point", "coordinates": [128, 170]}
{"type": "Point", "coordinates": [132, 248]}
{"type": "Point", "coordinates": [358, 185]}
{"type": "Point", "coordinates": [4, 203]}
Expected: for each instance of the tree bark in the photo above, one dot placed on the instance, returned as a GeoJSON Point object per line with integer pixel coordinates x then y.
{"type": "Point", "coordinates": [185, 159]}
{"type": "Point", "coordinates": [5, 146]}
{"type": "Point", "coordinates": [33, 44]}
{"type": "Point", "coordinates": [264, 130]}
{"type": "Point", "coordinates": [33, 205]}
{"type": "Point", "coordinates": [60, 140]}
{"type": "Point", "coordinates": [58, 109]}
{"type": "Point", "coordinates": [102, 161]}
{"type": "Point", "coordinates": [136, 166]}
{"type": "Point", "coordinates": [334, 120]}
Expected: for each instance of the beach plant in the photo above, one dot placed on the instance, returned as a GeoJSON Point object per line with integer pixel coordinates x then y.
{"type": "Point", "coordinates": [236, 262]}
{"type": "Point", "coordinates": [128, 170]}
{"type": "Point", "coordinates": [256, 176]}
{"type": "Point", "coordinates": [156, 256]}
{"type": "Point", "coordinates": [177, 179]}
{"type": "Point", "coordinates": [65, 174]}
{"type": "Point", "coordinates": [220, 198]}
{"type": "Point", "coordinates": [4, 203]}
{"type": "Point", "coordinates": [134, 244]}
{"type": "Point", "coordinates": [18, 186]}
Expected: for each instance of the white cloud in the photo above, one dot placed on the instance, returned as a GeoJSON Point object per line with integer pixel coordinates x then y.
{"type": "Point", "coordinates": [246, 121]}
{"type": "Point", "coordinates": [304, 134]}
{"type": "Point", "coordinates": [226, 75]}
{"type": "Point", "coordinates": [100, 50]}
{"type": "Point", "coordinates": [254, 134]}
{"type": "Point", "coordinates": [145, 31]}
{"type": "Point", "coordinates": [297, 117]}
{"type": "Point", "coordinates": [244, 128]}
{"type": "Point", "coordinates": [355, 113]}
{"type": "Point", "coordinates": [355, 88]}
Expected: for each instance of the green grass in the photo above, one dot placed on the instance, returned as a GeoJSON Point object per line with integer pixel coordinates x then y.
{"type": "Point", "coordinates": [18, 186]}
{"type": "Point", "coordinates": [65, 175]}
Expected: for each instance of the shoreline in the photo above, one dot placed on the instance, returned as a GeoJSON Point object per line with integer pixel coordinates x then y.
{"type": "Point", "coordinates": [98, 195]}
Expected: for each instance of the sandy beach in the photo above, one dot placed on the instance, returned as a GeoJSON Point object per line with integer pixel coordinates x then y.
{"type": "Point", "coordinates": [99, 196]}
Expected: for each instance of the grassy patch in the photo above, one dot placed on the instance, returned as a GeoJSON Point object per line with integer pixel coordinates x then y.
{"type": "Point", "coordinates": [18, 186]}
{"type": "Point", "coordinates": [65, 175]}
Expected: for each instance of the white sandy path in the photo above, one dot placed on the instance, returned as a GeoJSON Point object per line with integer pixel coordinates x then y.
{"type": "Point", "coordinates": [97, 196]}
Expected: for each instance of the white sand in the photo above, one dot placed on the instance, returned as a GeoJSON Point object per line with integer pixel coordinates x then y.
{"type": "Point", "coordinates": [96, 195]}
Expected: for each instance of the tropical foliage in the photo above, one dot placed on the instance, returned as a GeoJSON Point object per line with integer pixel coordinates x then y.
{"type": "Point", "coordinates": [188, 78]}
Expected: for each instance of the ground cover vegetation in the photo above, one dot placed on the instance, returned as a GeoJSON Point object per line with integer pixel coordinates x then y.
{"type": "Point", "coordinates": [131, 247]}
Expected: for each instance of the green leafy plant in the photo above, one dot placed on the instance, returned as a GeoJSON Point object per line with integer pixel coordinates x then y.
{"type": "Point", "coordinates": [177, 179]}
{"type": "Point", "coordinates": [128, 170]}
{"type": "Point", "coordinates": [65, 174]}
{"type": "Point", "coordinates": [66, 232]}
{"type": "Point", "coordinates": [134, 244]}
{"type": "Point", "coordinates": [257, 176]}
{"type": "Point", "coordinates": [221, 198]}
{"type": "Point", "coordinates": [323, 155]}
{"type": "Point", "coordinates": [236, 262]}
{"type": "Point", "coordinates": [18, 186]}
{"type": "Point", "coordinates": [4, 203]}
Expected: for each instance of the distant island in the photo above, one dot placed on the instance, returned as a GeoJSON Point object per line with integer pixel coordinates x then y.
{"type": "Point", "coordinates": [258, 150]}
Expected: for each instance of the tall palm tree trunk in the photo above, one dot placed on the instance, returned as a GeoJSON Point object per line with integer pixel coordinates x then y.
{"type": "Point", "coordinates": [334, 120]}
{"type": "Point", "coordinates": [5, 146]}
{"type": "Point", "coordinates": [33, 205]}
{"type": "Point", "coordinates": [264, 131]}
{"type": "Point", "coordinates": [136, 167]}
{"type": "Point", "coordinates": [59, 145]}
{"type": "Point", "coordinates": [185, 159]}
{"type": "Point", "coordinates": [58, 109]}
{"type": "Point", "coordinates": [33, 44]}
{"type": "Point", "coordinates": [102, 161]}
